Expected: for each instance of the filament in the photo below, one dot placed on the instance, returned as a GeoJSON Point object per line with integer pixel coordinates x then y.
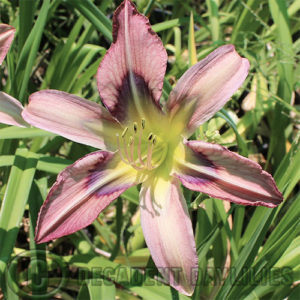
{"type": "Point", "coordinates": [132, 150]}
{"type": "Point", "coordinates": [149, 155]}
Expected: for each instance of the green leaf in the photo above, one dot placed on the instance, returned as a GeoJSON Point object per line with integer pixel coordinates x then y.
{"type": "Point", "coordinates": [191, 42]}
{"type": "Point", "coordinates": [13, 205]}
{"type": "Point", "coordinates": [285, 62]}
{"type": "Point", "coordinates": [213, 13]}
{"type": "Point", "coordinates": [29, 52]}
{"type": "Point", "coordinates": [88, 9]}
{"type": "Point", "coordinates": [13, 132]}
{"type": "Point", "coordinates": [247, 255]}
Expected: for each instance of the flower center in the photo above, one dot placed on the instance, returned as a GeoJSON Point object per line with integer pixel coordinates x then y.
{"type": "Point", "coordinates": [141, 148]}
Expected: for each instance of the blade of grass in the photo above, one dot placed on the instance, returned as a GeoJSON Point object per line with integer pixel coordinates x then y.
{"type": "Point", "coordinates": [285, 58]}
{"type": "Point", "coordinates": [191, 42]}
{"type": "Point", "coordinates": [88, 9]}
{"type": "Point", "coordinates": [21, 133]}
{"type": "Point", "coordinates": [243, 150]}
{"type": "Point", "coordinates": [247, 255]}
{"type": "Point", "coordinates": [213, 13]}
{"type": "Point", "coordinates": [28, 54]}
{"type": "Point", "coordinates": [26, 15]}
{"type": "Point", "coordinates": [248, 21]}
{"type": "Point", "coordinates": [13, 205]}
{"type": "Point", "coordinates": [149, 7]}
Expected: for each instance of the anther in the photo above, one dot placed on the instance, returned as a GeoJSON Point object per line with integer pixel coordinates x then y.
{"type": "Point", "coordinates": [143, 123]}
{"type": "Point", "coordinates": [124, 132]}
{"type": "Point", "coordinates": [150, 136]}
{"type": "Point", "coordinates": [135, 127]}
{"type": "Point", "coordinates": [154, 140]}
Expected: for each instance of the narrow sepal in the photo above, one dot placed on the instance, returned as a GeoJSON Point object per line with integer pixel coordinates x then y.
{"type": "Point", "coordinates": [81, 192]}
{"type": "Point", "coordinates": [220, 173]}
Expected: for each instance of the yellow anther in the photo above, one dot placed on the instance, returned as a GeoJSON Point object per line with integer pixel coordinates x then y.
{"type": "Point", "coordinates": [124, 132]}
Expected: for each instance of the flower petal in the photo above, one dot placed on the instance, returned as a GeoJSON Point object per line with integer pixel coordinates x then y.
{"type": "Point", "coordinates": [133, 69]}
{"type": "Point", "coordinates": [207, 86]}
{"type": "Point", "coordinates": [10, 111]}
{"type": "Point", "coordinates": [168, 233]}
{"type": "Point", "coordinates": [7, 33]}
{"type": "Point", "coordinates": [220, 173]}
{"type": "Point", "coordinates": [81, 192]}
{"type": "Point", "coordinates": [75, 118]}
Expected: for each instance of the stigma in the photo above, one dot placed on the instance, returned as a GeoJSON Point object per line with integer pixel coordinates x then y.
{"type": "Point", "coordinates": [141, 148]}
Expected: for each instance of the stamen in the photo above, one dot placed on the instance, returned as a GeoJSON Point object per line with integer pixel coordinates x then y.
{"type": "Point", "coordinates": [134, 152]}
{"type": "Point", "coordinates": [131, 144]}
{"type": "Point", "coordinates": [154, 140]}
{"type": "Point", "coordinates": [135, 127]}
{"type": "Point", "coordinates": [150, 136]}
{"type": "Point", "coordinates": [149, 155]}
{"type": "Point", "coordinates": [139, 149]}
{"type": "Point", "coordinates": [133, 163]}
{"type": "Point", "coordinates": [124, 132]}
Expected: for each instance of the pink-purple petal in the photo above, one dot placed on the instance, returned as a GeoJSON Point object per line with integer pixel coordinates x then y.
{"type": "Point", "coordinates": [168, 233]}
{"type": "Point", "coordinates": [131, 74]}
{"type": "Point", "coordinates": [7, 33]}
{"type": "Point", "coordinates": [11, 110]}
{"type": "Point", "coordinates": [220, 173]}
{"type": "Point", "coordinates": [207, 86]}
{"type": "Point", "coordinates": [72, 117]}
{"type": "Point", "coordinates": [81, 192]}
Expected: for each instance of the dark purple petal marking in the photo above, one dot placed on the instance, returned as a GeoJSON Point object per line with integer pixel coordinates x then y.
{"type": "Point", "coordinates": [229, 177]}
{"type": "Point", "coordinates": [80, 193]}
{"type": "Point", "coordinates": [132, 71]}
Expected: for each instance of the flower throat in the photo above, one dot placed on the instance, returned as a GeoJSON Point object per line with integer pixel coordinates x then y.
{"type": "Point", "coordinates": [141, 148]}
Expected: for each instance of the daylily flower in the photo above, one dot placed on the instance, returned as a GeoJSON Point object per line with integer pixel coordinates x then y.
{"type": "Point", "coordinates": [145, 143]}
{"type": "Point", "coordinates": [10, 108]}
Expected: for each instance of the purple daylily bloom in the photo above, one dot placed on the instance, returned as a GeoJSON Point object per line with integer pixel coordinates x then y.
{"type": "Point", "coordinates": [144, 143]}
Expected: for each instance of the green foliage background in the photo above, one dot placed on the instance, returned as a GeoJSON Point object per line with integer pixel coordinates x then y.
{"type": "Point", "coordinates": [244, 253]}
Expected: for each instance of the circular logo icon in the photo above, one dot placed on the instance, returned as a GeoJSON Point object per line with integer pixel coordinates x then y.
{"type": "Point", "coordinates": [36, 274]}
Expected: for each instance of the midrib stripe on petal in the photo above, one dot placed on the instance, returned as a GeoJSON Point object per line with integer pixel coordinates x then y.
{"type": "Point", "coordinates": [214, 176]}
{"type": "Point", "coordinates": [86, 195]}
